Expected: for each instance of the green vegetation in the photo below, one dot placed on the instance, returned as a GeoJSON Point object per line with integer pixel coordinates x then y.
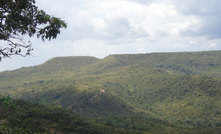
{"type": "Point", "coordinates": [142, 93]}
{"type": "Point", "coordinates": [22, 17]}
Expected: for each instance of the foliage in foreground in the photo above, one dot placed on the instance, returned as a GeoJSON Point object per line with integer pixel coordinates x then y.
{"type": "Point", "coordinates": [7, 106]}
{"type": "Point", "coordinates": [22, 17]}
{"type": "Point", "coordinates": [32, 118]}
{"type": "Point", "coordinates": [42, 119]}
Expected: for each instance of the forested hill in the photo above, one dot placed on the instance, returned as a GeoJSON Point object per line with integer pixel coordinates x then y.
{"type": "Point", "coordinates": [180, 89]}
{"type": "Point", "coordinates": [182, 62]}
{"type": "Point", "coordinates": [58, 64]}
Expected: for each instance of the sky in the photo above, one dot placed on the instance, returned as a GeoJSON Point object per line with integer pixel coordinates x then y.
{"type": "Point", "coordinates": [102, 27]}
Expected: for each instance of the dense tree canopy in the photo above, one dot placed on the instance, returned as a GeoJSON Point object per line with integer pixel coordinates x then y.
{"type": "Point", "coordinates": [22, 17]}
{"type": "Point", "coordinates": [7, 106]}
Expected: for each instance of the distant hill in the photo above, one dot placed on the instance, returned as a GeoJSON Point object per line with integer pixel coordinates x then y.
{"type": "Point", "coordinates": [180, 88]}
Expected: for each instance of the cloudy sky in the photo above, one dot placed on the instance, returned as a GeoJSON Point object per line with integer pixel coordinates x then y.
{"type": "Point", "coordinates": [102, 27]}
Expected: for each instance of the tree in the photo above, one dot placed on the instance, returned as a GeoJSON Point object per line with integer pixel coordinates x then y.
{"type": "Point", "coordinates": [7, 106]}
{"type": "Point", "coordinates": [22, 17]}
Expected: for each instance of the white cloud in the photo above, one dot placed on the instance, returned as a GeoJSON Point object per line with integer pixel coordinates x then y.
{"type": "Point", "coordinates": [162, 9]}
{"type": "Point", "coordinates": [178, 46]}
{"type": "Point", "coordinates": [193, 42]}
{"type": "Point", "coordinates": [98, 24]}
{"type": "Point", "coordinates": [212, 45]}
{"type": "Point", "coordinates": [208, 14]}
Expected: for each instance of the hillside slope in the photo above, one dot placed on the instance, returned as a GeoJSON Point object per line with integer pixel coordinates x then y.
{"type": "Point", "coordinates": [180, 88]}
